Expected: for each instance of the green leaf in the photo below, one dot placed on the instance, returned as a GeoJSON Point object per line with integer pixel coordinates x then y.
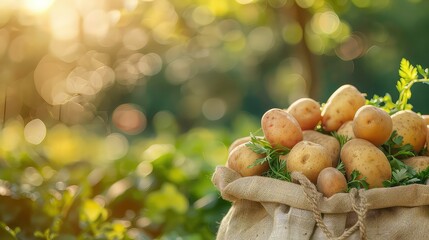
{"type": "Point", "coordinates": [386, 103]}
{"type": "Point", "coordinates": [423, 175]}
{"type": "Point", "coordinates": [342, 139]}
{"type": "Point", "coordinates": [257, 148]}
{"type": "Point", "coordinates": [11, 232]}
{"type": "Point", "coordinates": [258, 161]}
{"type": "Point", "coordinates": [277, 167]}
{"type": "Point", "coordinates": [92, 211]}
{"type": "Point", "coordinates": [423, 72]}
{"type": "Point", "coordinates": [356, 181]}
{"type": "Point", "coordinates": [407, 71]}
{"type": "Point", "coordinates": [341, 167]}
{"type": "Point", "coordinates": [403, 176]}
{"type": "Point", "coordinates": [394, 149]}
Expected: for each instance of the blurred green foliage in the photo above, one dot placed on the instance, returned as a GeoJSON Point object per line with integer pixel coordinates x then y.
{"type": "Point", "coordinates": [115, 113]}
{"type": "Point", "coordinates": [160, 188]}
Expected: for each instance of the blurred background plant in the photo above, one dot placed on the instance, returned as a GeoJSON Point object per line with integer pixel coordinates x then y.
{"type": "Point", "coordinates": [115, 113]}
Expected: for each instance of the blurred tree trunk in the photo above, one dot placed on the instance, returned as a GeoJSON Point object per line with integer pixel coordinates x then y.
{"type": "Point", "coordinates": [303, 53]}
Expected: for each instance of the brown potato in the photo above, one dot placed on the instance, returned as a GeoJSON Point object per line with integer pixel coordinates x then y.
{"type": "Point", "coordinates": [280, 128]}
{"type": "Point", "coordinates": [331, 181]}
{"type": "Point", "coordinates": [328, 141]}
{"type": "Point", "coordinates": [238, 142]}
{"type": "Point", "coordinates": [426, 118]}
{"type": "Point", "coordinates": [411, 127]}
{"type": "Point", "coordinates": [363, 156]}
{"type": "Point", "coordinates": [418, 163]}
{"type": "Point", "coordinates": [373, 124]}
{"type": "Point", "coordinates": [347, 130]}
{"type": "Point", "coordinates": [307, 112]}
{"type": "Point", "coordinates": [241, 157]}
{"type": "Point", "coordinates": [341, 107]}
{"type": "Point", "coordinates": [427, 141]}
{"type": "Point", "coordinates": [308, 158]}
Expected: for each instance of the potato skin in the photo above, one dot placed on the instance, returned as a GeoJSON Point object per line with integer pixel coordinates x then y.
{"type": "Point", "coordinates": [341, 107]}
{"type": "Point", "coordinates": [426, 118]}
{"type": "Point", "coordinates": [280, 128]}
{"type": "Point", "coordinates": [308, 158]}
{"type": "Point", "coordinates": [329, 142]}
{"type": "Point", "coordinates": [363, 156]}
{"type": "Point", "coordinates": [331, 181]}
{"type": "Point", "coordinates": [427, 140]}
{"type": "Point", "coordinates": [307, 112]}
{"type": "Point", "coordinates": [418, 163]}
{"type": "Point", "coordinates": [241, 157]}
{"type": "Point", "coordinates": [347, 130]}
{"type": "Point", "coordinates": [373, 124]}
{"type": "Point", "coordinates": [411, 127]}
{"type": "Point", "coordinates": [239, 141]}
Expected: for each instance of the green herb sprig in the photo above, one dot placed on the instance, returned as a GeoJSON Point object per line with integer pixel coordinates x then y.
{"type": "Point", "coordinates": [342, 139]}
{"type": "Point", "coordinates": [402, 174]}
{"type": "Point", "coordinates": [395, 150]}
{"type": "Point", "coordinates": [409, 75]}
{"type": "Point", "coordinates": [277, 167]}
{"type": "Point", "coordinates": [356, 181]}
{"type": "Point", "coordinates": [401, 177]}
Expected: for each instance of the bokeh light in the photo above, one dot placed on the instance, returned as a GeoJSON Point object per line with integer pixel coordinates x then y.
{"type": "Point", "coordinates": [352, 48]}
{"type": "Point", "coordinates": [35, 131]}
{"type": "Point", "coordinates": [325, 22]}
{"type": "Point", "coordinates": [116, 146]}
{"type": "Point", "coordinates": [64, 21]}
{"type": "Point", "coordinates": [214, 108]}
{"type": "Point", "coordinates": [292, 33]}
{"type": "Point", "coordinates": [135, 39]}
{"type": "Point", "coordinates": [129, 119]}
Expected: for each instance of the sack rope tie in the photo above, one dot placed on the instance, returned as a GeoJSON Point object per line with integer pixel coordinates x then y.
{"type": "Point", "coordinates": [359, 205]}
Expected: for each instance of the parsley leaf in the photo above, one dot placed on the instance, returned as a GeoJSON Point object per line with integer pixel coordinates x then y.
{"type": "Point", "coordinates": [356, 181]}
{"type": "Point", "coordinates": [394, 149]}
{"type": "Point", "coordinates": [401, 176]}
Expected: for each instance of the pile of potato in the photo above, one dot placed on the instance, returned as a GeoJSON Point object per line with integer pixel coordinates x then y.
{"type": "Point", "coordinates": [316, 154]}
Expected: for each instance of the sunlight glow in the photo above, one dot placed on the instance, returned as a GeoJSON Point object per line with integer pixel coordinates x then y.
{"type": "Point", "coordinates": [37, 6]}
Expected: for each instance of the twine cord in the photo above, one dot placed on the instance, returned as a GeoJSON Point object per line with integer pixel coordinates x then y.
{"type": "Point", "coordinates": [359, 205]}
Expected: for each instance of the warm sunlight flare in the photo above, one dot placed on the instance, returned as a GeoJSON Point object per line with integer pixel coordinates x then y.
{"type": "Point", "coordinates": [37, 6]}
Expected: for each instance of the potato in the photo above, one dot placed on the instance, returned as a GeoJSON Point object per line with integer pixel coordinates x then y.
{"type": "Point", "coordinates": [418, 163]}
{"type": "Point", "coordinates": [426, 118]}
{"type": "Point", "coordinates": [280, 128]}
{"type": "Point", "coordinates": [331, 181]}
{"type": "Point", "coordinates": [307, 112]}
{"type": "Point", "coordinates": [347, 130]}
{"type": "Point", "coordinates": [328, 141]}
{"type": "Point", "coordinates": [373, 124]}
{"type": "Point", "coordinates": [427, 141]}
{"type": "Point", "coordinates": [308, 158]}
{"type": "Point", "coordinates": [239, 141]}
{"type": "Point", "coordinates": [363, 156]}
{"type": "Point", "coordinates": [241, 157]}
{"type": "Point", "coordinates": [341, 107]}
{"type": "Point", "coordinates": [411, 127]}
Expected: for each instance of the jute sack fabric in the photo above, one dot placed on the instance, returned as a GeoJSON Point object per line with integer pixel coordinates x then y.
{"type": "Point", "coordinates": [266, 208]}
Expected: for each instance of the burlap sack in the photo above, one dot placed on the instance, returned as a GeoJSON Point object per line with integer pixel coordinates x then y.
{"type": "Point", "coordinates": [266, 208]}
